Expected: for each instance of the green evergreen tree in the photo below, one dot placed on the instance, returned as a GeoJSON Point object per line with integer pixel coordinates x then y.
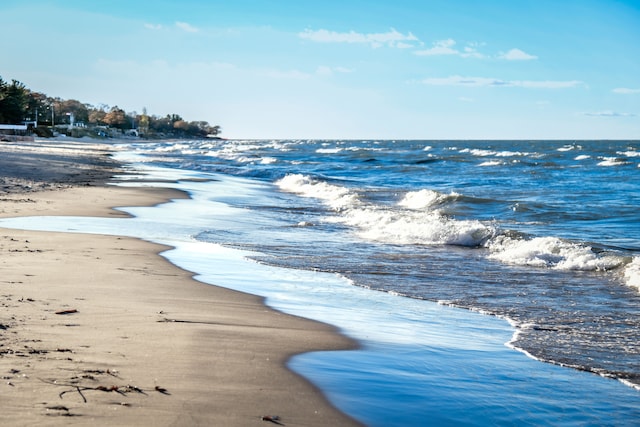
{"type": "Point", "coordinates": [13, 102]}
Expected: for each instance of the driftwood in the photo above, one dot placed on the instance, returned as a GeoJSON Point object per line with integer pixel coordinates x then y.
{"type": "Point", "coordinates": [70, 311]}
{"type": "Point", "coordinates": [272, 419]}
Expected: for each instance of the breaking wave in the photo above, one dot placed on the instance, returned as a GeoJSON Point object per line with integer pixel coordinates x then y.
{"type": "Point", "coordinates": [417, 219]}
{"type": "Point", "coordinates": [411, 221]}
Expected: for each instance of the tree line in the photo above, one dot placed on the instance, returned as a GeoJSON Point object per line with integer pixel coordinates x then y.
{"type": "Point", "coordinates": [18, 105]}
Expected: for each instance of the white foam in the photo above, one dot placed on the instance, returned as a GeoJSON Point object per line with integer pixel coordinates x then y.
{"type": "Point", "coordinates": [612, 161]}
{"type": "Point", "coordinates": [632, 273]}
{"type": "Point", "coordinates": [630, 153]}
{"type": "Point", "coordinates": [416, 220]}
{"type": "Point", "coordinates": [410, 227]}
{"type": "Point", "coordinates": [492, 163]}
{"type": "Point", "coordinates": [335, 196]}
{"type": "Point", "coordinates": [478, 152]}
{"type": "Point", "coordinates": [391, 224]}
{"type": "Point", "coordinates": [329, 150]}
{"type": "Point", "coordinates": [570, 147]}
{"type": "Point", "coordinates": [172, 148]}
{"type": "Point", "coordinates": [550, 252]}
{"type": "Point", "coordinates": [268, 160]}
{"type": "Point", "coordinates": [582, 157]}
{"type": "Point", "coordinates": [424, 199]}
{"type": "Point", "coordinates": [511, 154]}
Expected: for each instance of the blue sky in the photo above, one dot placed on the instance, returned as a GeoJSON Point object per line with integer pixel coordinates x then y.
{"type": "Point", "coordinates": [342, 69]}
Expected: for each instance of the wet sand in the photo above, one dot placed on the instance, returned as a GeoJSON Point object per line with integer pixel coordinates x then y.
{"type": "Point", "coordinates": [102, 330]}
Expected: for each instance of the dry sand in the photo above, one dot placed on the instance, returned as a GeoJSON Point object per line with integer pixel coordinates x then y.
{"type": "Point", "coordinates": [98, 330]}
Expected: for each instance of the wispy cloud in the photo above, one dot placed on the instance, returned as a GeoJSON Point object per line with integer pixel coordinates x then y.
{"type": "Point", "coordinates": [609, 114]}
{"type": "Point", "coordinates": [471, 52]}
{"type": "Point", "coordinates": [391, 38]}
{"type": "Point", "coordinates": [447, 47]}
{"type": "Point", "coordinates": [626, 91]}
{"type": "Point", "coordinates": [516, 55]}
{"type": "Point", "coordinates": [184, 26]}
{"type": "Point", "coordinates": [440, 47]}
{"type": "Point", "coordinates": [493, 82]}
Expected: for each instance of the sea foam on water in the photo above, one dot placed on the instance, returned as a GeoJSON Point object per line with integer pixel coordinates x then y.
{"type": "Point", "coordinates": [550, 252]}
{"type": "Point", "coordinates": [632, 273]}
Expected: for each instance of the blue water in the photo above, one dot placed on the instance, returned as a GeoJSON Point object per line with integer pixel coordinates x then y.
{"type": "Point", "coordinates": [381, 238]}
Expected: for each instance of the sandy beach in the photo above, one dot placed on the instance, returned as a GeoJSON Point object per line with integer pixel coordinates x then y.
{"type": "Point", "coordinates": [98, 330]}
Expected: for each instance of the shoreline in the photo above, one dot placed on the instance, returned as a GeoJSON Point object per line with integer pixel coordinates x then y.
{"type": "Point", "coordinates": [95, 318]}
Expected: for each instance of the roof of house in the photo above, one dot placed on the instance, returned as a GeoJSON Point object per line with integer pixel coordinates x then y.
{"type": "Point", "coordinates": [13, 127]}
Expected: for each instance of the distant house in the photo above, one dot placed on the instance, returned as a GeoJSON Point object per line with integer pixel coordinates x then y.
{"type": "Point", "coordinates": [15, 132]}
{"type": "Point", "coordinates": [14, 129]}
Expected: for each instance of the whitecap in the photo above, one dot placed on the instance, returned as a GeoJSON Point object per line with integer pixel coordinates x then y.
{"type": "Point", "coordinates": [388, 224]}
{"type": "Point", "coordinates": [491, 163]}
{"type": "Point", "coordinates": [613, 161]}
{"type": "Point", "coordinates": [424, 199]}
{"type": "Point", "coordinates": [511, 154]}
{"type": "Point", "coordinates": [268, 160]}
{"type": "Point", "coordinates": [570, 147]}
{"type": "Point", "coordinates": [630, 153]}
{"type": "Point", "coordinates": [414, 227]}
{"type": "Point", "coordinates": [632, 273]}
{"type": "Point", "coordinates": [329, 150]}
{"type": "Point", "coordinates": [335, 196]}
{"type": "Point", "coordinates": [550, 252]}
{"type": "Point", "coordinates": [478, 152]}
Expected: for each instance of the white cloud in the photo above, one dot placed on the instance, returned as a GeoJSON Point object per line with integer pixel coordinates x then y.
{"type": "Point", "coordinates": [440, 47]}
{"type": "Point", "coordinates": [471, 52]}
{"type": "Point", "coordinates": [517, 55]}
{"type": "Point", "coordinates": [493, 82]}
{"type": "Point", "coordinates": [391, 38]}
{"type": "Point", "coordinates": [609, 114]}
{"type": "Point", "coordinates": [446, 47]}
{"type": "Point", "coordinates": [626, 91]}
{"type": "Point", "coordinates": [153, 26]}
{"type": "Point", "coordinates": [186, 27]}
{"type": "Point", "coordinates": [546, 84]}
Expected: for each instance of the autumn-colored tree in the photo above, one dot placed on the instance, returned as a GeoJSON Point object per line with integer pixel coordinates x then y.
{"type": "Point", "coordinates": [96, 116]}
{"type": "Point", "coordinates": [79, 110]}
{"type": "Point", "coordinates": [19, 104]}
{"type": "Point", "coordinates": [116, 118]}
{"type": "Point", "coordinates": [143, 122]}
